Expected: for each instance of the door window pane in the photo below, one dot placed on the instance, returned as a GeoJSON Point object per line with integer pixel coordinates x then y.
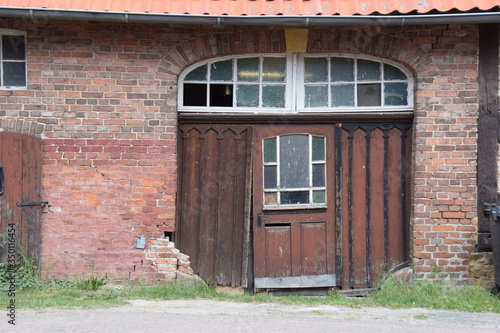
{"type": "Point", "coordinates": [248, 69]}
{"type": "Point", "coordinates": [222, 71]}
{"type": "Point", "coordinates": [316, 96]}
{"type": "Point", "coordinates": [342, 69]}
{"type": "Point", "coordinates": [319, 197]}
{"type": "Point", "coordinates": [247, 95]}
{"type": "Point", "coordinates": [294, 198]}
{"type": "Point", "coordinates": [274, 69]}
{"type": "Point", "coordinates": [369, 94]}
{"type": "Point", "coordinates": [318, 175]}
{"type": "Point", "coordinates": [270, 150]}
{"type": "Point", "coordinates": [195, 94]}
{"type": "Point", "coordinates": [221, 95]}
{"type": "Point", "coordinates": [273, 96]}
{"type": "Point", "coordinates": [270, 198]}
{"type": "Point", "coordinates": [270, 177]}
{"type": "Point", "coordinates": [316, 70]}
{"type": "Point", "coordinates": [294, 161]}
{"type": "Point", "coordinates": [318, 148]}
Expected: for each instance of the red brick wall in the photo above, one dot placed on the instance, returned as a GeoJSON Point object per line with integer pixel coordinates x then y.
{"type": "Point", "coordinates": [106, 96]}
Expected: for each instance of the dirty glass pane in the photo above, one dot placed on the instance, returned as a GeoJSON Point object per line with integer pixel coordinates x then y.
{"type": "Point", "coordinates": [270, 177]}
{"type": "Point", "coordinates": [14, 74]}
{"type": "Point", "coordinates": [316, 96]}
{"type": "Point", "coordinates": [368, 70]}
{"type": "Point", "coordinates": [13, 48]}
{"type": "Point", "coordinates": [315, 70]}
{"type": "Point", "coordinates": [270, 198]}
{"type": "Point", "coordinates": [270, 150]}
{"type": "Point", "coordinates": [248, 69]}
{"type": "Point", "coordinates": [294, 161]}
{"type": "Point", "coordinates": [318, 175]}
{"type": "Point", "coordinates": [393, 73]}
{"type": "Point", "coordinates": [319, 197]}
{"type": "Point", "coordinates": [195, 94]}
{"type": "Point", "coordinates": [274, 69]}
{"type": "Point", "coordinates": [318, 148]}
{"type": "Point", "coordinates": [396, 94]}
{"type": "Point", "coordinates": [369, 94]}
{"type": "Point", "coordinates": [294, 198]}
{"type": "Point", "coordinates": [247, 95]}
{"type": "Point", "coordinates": [343, 95]}
{"type": "Point", "coordinates": [222, 71]}
{"type": "Point", "coordinates": [273, 96]}
{"type": "Point", "coordinates": [197, 74]}
{"type": "Point", "coordinates": [342, 69]}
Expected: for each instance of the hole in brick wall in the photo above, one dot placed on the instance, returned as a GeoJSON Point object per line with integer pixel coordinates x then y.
{"type": "Point", "coordinates": [168, 234]}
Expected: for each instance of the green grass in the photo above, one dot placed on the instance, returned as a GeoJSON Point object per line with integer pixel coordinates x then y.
{"type": "Point", "coordinates": [392, 294]}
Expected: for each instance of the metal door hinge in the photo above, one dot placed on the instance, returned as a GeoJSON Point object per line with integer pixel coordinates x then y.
{"type": "Point", "coordinates": [492, 209]}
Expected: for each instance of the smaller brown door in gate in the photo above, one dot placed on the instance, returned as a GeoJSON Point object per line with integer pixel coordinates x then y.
{"type": "Point", "coordinates": [20, 194]}
{"type": "Point", "coordinates": [294, 207]}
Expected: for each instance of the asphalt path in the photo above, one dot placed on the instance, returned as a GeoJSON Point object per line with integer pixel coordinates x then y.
{"type": "Point", "coordinates": [217, 316]}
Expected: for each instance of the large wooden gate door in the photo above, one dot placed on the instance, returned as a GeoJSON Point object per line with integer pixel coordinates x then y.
{"type": "Point", "coordinates": [214, 201]}
{"type": "Point", "coordinates": [20, 194]}
{"type": "Point", "coordinates": [294, 207]}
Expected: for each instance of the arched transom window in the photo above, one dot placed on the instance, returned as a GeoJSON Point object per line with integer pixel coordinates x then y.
{"type": "Point", "coordinates": [296, 84]}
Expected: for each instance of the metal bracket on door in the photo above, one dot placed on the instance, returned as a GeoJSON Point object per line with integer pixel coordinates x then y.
{"type": "Point", "coordinates": [492, 209]}
{"type": "Point", "coordinates": [31, 203]}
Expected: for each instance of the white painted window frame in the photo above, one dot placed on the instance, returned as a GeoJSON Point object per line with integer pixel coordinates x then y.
{"type": "Point", "coordinates": [294, 89]}
{"type": "Point", "coordinates": [11, 32]}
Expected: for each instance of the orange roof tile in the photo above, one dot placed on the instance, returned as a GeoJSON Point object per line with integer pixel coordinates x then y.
{"type": "Point", "coordinates": [256, 7]}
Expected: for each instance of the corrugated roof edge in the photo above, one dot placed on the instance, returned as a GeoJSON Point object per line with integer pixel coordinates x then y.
{"type": "Point", "coordinates": [278, 20]}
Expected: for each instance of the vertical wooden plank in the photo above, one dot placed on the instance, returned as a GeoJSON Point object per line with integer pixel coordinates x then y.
{"type": "Point", "coordinates": [358, 223]}
{"type": "Point", "coordinates": [346, 213]}
{"type": "Point", "coordinates": [245, 167]}
{"type": "Point", "coordinates": [395, 197]}
{"type": "Point", "coordinates": [338, 204]}
{"type": "Point", "coordinates": [377, 243]}
{"type": "Point", "coordinates": [208, 203]}
{"type": "Point", "coordinates": [189, 206]}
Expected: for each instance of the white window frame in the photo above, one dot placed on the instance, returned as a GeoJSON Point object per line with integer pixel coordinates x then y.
{"type": "Point", "coordinates": [294, 90]}
{"type": "Point", "coordinates": [11, 32]}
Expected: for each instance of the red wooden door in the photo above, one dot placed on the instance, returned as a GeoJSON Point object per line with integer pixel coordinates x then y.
{"type": "Point", "coordinates": [20, 193]}
{"type": "Point", "coordinates": [293, 206]}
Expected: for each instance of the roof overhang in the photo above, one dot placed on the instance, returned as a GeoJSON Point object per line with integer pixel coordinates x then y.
{"type": "Point", "coordinates": [263, 20]}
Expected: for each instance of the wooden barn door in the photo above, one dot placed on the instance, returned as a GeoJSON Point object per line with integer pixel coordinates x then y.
{"type": "Point", "coordinates": [294, 206]}
{"type": "Point", "coordinates": [214, 201]}
{"type": "Point", "coordinates": [373, 197]}
{"type": "Point", "coordinates": [20, 194]}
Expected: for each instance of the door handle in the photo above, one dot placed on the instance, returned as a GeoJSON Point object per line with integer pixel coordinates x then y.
{"type": "Point", "coordinates": [259, 220]}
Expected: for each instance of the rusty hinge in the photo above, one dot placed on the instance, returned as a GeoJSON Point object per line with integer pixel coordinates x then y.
{"type": "Point", "coordinates": [492, 209]}
{"type": "Point", "coordinates": [32, 203]}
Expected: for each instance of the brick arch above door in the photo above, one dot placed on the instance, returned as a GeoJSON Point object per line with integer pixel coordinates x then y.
{"type": "Point", "coordinates": [24, 127]}
{"type": "Point", "coordinates": [337, 40]}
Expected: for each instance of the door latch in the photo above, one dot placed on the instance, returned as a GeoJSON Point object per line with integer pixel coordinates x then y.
{"type": "Point", "coordinates": [32, 203]}
{"type": "Point", "coordinates": [492, 209]}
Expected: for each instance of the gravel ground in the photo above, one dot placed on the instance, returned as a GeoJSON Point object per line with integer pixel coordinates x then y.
{"type": "Point", "coordinates": [217, 316]}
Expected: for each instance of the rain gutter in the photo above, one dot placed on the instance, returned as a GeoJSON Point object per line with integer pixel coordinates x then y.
{"type": "Point", "coordinates": [263, 20]}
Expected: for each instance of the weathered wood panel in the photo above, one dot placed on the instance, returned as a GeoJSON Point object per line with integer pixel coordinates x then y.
{"type": "Point", "coordinates": [20, 158]}
{"type": "Point", "coordinates": [373, 198]}
{"type": "Point", "coordinates": [213, 218]}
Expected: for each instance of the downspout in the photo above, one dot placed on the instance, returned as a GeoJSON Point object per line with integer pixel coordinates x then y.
{"type": "Point", "coordinates": [264, 20]}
